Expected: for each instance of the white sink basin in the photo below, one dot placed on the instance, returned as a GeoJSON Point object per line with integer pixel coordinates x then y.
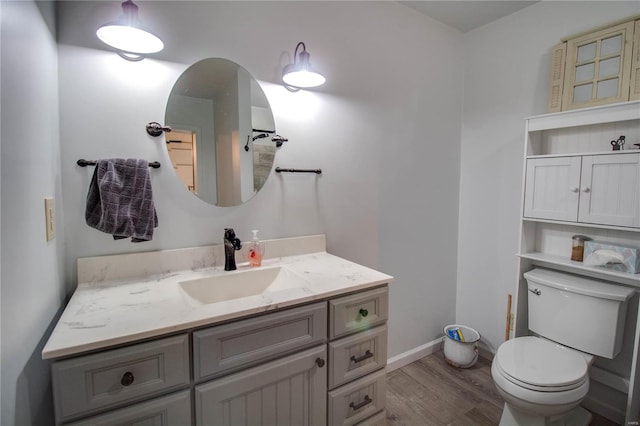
{"type": "Point", "coordinates": [238, 284]}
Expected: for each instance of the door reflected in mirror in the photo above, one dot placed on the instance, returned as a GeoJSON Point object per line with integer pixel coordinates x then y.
{"type": "Point", "coordinates": [216, 109]}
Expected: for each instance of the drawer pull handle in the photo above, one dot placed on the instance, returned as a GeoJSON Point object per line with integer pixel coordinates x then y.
{"type": "Point", "coordinates": [368, 354]}
{"type": "Point", "coordinates": [320, 362]}
{"type": "Point", "coordinates": [364, 312]}
{"type": "Point", "coordinates": [359, 405]}
{"type": "Point", "coordinates": [127, 379]}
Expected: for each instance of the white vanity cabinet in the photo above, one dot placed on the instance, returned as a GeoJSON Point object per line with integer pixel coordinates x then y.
{"type": "Point", "coordinates": [574, 184]}
{"type": "Point", "coordinates": [599, 189]}
{"type": "Point", "coordinates": [313, 364]}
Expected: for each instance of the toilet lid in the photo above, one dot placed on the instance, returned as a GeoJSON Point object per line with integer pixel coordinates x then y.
{"type": "Point", "coordinates": [539, 362]}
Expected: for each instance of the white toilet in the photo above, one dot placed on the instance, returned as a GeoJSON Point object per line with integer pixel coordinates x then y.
{"type": "Point", "coordinates": [544, 378]}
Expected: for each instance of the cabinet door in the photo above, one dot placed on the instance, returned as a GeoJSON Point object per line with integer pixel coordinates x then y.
{"type": "Point", "coordinates": [552, 188]}
{"type": "Point", "coordinates": [289, 391]}
{"type": "Point", "coordinates": [610, 190]}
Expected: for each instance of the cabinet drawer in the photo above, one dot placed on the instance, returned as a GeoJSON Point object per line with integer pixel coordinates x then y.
{"type": "Point", "coordinates": [358, 400]}
{"type": "Point", "coordinates": [288, 391]}
{"type": "Point", "coordinates": [379, 419]}
{"type": "Point", "coordinates": [354, 356]}
{"type": "Point", "coordinates": [89, 383]}
{"type": "Point", "coordinates": [358, 312]}
{"type": "Point", "coordinates": [168, 410]}
{"type": "Point", "coordinates": [225, 348]}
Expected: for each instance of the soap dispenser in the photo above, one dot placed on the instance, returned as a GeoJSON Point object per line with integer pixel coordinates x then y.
{"type": "Point", "coordinates": [256, 250]}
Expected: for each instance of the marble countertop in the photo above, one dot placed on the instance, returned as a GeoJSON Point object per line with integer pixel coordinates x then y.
{"type": "Point", "coordinates": [103, 313]}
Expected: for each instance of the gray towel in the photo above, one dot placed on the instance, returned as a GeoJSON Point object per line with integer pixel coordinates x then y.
{"type": "Point", "coordinates": [120, 199]}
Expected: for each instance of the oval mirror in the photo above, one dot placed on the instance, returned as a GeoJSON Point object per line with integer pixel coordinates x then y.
{"type": "Point", "coordinates": [220, 144]}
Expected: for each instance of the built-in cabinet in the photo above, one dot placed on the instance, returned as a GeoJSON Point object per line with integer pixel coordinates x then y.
{"type": "Point", "coordinates": [574, 184]}
{"type": "Point", "coordinates": [317, 364]}
{"type": "Point", "coordinates": [598, 189]}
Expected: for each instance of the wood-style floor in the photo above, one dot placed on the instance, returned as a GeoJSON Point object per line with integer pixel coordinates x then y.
{"type": "Point", "coordinates": [431, 392]}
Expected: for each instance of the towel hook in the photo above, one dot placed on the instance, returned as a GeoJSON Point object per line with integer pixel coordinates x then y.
{"type": "Point", "coordinates": [155, 129]}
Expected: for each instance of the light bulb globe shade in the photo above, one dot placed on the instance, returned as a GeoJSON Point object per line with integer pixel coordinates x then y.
{"type": "Point", "coordinates": [129, 39]}
{"type": "Point", "coordinates": [296, 76]}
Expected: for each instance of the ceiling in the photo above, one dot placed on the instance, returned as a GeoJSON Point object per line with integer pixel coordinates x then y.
{"type": "Point", "coordinates": [469, 14]}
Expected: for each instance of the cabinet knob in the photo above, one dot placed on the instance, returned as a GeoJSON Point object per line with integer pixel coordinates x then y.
{"type": "Point", "coordinates": [574, 189]}
{"type": "Point", "coordinates": [320, 362]}
{"type": "Point", "coordinates": [364, 312]}
{"type": "Point", "coordinates": [586, 189]}
{"type": "Point", "coordinates": [127, 379]}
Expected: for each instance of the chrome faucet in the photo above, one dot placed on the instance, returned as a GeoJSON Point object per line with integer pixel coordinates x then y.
{"type": "Point", "coordinates": [231, 244]}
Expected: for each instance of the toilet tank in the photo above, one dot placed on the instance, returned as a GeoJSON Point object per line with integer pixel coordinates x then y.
{"type": "Point", "coordinates": [582, 313]}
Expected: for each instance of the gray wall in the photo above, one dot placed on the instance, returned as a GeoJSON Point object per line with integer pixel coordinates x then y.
{"type": "Point", "coordinates": [32, 288]}
{"type": "Point", "coordinates": [506, 77]}
{"type": "Point", "coordinates": [385, 130]}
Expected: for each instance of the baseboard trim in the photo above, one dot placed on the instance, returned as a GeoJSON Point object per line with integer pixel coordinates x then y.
{"type": "Point", "coordinates": [485, 353]}
{"type": "Point", "coordinates": [421, 351]}
{"type": "Point", "coordinates": [413, 355]}
{"type": "Point", "coordinates": [603, 409]}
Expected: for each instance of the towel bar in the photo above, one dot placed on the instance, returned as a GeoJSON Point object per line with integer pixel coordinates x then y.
{"type": "Point", "coordinates": [84, 163]}
{"type": "Point", "coordinates": [316, 171]}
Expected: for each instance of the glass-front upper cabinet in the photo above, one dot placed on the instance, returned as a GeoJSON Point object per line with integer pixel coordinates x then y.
{"type": "Point", "coordinates": [596, 68]}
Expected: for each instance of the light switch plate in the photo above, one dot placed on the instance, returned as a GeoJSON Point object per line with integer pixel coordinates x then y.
{"type": "Point", "coordinates": [50, 219]}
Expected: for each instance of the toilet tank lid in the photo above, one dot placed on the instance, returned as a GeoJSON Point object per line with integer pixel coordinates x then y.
{"type": "Point", "coordinates": [580, 285]}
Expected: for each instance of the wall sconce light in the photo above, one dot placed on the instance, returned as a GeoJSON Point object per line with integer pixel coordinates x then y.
{"type": "Point", "coordinates": [126, 35]}
{"type": "Point", "coordinates": [300, 74]}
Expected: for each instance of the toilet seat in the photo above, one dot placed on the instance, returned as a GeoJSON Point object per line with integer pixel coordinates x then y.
{"type": "Point", "coordinates": [540, 365]}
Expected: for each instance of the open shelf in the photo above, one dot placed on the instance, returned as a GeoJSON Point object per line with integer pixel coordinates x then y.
{"type": "Point", "coordinates": [565, 264]}
{"type": "Point", "coordinates": [586, 116]}
{"type": "Point", "coordinates": [582, 224]}
{"type": "Point", "coordinates": [626, 151]}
